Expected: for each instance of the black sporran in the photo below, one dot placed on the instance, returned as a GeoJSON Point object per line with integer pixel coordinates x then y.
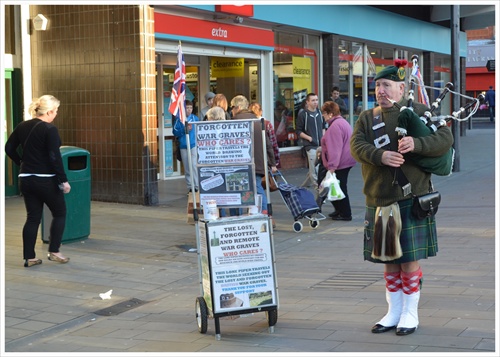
{"type": "Point", "coordinates": [426, 205]}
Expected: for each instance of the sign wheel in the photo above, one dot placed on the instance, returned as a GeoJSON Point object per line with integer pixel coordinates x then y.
{"type": "Point", "coordinates": [272, 317]}
{"type": "Point", "coordinates": [201, 314]}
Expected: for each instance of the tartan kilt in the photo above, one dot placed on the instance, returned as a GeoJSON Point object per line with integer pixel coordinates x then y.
{"type": "Point", "coordinates": [418, 237]}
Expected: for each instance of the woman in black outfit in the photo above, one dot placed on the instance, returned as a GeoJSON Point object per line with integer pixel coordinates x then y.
{"type": "Point", "coordinates": [42, 176]}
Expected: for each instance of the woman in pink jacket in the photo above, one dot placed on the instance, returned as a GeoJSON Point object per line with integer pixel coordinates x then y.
{"type": "Point", "coordinates": [336, 155]}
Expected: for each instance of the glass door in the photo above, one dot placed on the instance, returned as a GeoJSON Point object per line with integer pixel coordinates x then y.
{"type": "Point", "coordinates": [11, 117]}
{"type": "Point", "coordinates": [170, 167]}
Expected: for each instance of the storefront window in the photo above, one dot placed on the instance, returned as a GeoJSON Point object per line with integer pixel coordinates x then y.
{"type": "Point", "coordinates": [351, 76]}
{"type": "Point", "coordinates": [295, 66]}
{"type": "Point", "coordinates": [233, 76]}
{"type": "Point", "coordinates": [442, 75]}
{"type": "Point", "coordinates": [353, 68]}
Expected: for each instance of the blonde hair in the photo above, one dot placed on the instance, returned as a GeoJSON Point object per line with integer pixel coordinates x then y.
{"type": "Point", "coordinates": [216, 113]}
{"type": "Point", "coordinates": [42, 105]}
{"type": "Point", "coordinates": [220, 100]}
{"type": "Point", "coordinates": [255, 108]}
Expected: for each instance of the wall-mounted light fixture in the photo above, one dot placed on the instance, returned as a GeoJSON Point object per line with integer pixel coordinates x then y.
{"type": "Point", "coordinates": [236, 19]}
{"type": "Point", "coordinates": [40, 22]}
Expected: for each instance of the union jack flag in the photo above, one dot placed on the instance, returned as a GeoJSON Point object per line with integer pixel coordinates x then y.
{"type": "Point", "coordinates": [422, 94]}
{"type": "Point", "coordinates": [178, 94]}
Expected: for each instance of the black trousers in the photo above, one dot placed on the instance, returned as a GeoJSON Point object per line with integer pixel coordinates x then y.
{"type": "Point", "coordinates": [342, 206]}
{"type": "Point", "coordinates": [38, 191]}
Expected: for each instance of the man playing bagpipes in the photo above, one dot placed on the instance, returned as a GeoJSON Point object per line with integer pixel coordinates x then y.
{"type": "Point", "coordinates": [410, 122]}
{"type": "Point", "coordinates": [393, 236]}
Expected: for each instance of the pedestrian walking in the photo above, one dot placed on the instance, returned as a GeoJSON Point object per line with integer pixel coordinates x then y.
{"type": "Point", "coordinates": [336, 156]}
{"type": "Point", "coordinates": [42, 176]}
{"type": "Point", "coordinates": [490, 99]}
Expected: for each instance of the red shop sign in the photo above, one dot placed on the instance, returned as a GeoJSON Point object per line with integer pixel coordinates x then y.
{"type": "Point", "coordinates": [242, 10]}
{"type": "Point", "coordinates": [210, 30]}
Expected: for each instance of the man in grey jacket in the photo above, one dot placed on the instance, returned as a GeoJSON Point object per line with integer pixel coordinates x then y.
{"type": "Point", "coordinates": [310, 127]}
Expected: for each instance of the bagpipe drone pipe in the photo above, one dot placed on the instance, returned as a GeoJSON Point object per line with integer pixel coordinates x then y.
{"type": "Point", "coordinates": [409, 123]}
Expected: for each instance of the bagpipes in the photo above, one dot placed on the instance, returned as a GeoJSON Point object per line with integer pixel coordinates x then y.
{"type": "Point", "coordinates": [409, 123]}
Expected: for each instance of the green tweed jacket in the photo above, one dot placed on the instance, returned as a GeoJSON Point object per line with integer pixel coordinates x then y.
{"type": "Point", "coordinates": [378, 178]}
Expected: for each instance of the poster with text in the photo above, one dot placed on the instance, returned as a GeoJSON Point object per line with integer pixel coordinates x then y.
{"type": "Point", "coordinates": [224, 142]}
{"type": "Point", "coordinates": [228, 185]}
{"type": "Point", "coordinates": [241, 263]}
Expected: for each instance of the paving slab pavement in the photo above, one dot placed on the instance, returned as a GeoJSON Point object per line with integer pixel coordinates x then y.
{"type": "Point", "coordinates": [145, 255]}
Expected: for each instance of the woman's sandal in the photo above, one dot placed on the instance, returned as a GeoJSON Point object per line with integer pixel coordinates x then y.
{"type": "Point", "coordinates": [55, 258]}
{"type": "Point", "coordinates": [29, 263]}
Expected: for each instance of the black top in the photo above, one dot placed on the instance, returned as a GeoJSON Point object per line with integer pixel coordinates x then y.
{"type": "Point", "coordinates": [41, 152]}
{"type": "Point", "coordinates": [259, 145]}
{"type": "Point", "coordinates": [312, 124]}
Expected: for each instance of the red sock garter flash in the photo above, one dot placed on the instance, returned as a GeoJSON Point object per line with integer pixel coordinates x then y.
{"type": "Point", "coordinates": [393, 281]}
{"type": "Point", "coordinates": [411, 281]}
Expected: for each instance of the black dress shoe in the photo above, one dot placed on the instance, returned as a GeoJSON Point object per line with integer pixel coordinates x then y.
{"type": "Point", "coordinates": [191, 190]}
{"type": "Point", "coordinates": [341, 218]}
{"type": "Point", "coordinates": [334, 214]}
{"type": "Point", "coordinates": [378, 328]}
{"type": "Point", "coordinates": [403, 331]}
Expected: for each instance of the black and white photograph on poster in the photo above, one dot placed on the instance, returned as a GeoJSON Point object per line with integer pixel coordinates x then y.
{"type": "Point", "coordinates": [228, 185]}
{"type": "Point", "coordinates": [224, 142]}
{"type": "Point", "coordinates": [298, 98]}
{"type": "Point", "coordinates": [242, 264]}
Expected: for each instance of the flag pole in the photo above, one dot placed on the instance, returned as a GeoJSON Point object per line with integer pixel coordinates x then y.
{"type": "Point", "coordinates": [178, 108]}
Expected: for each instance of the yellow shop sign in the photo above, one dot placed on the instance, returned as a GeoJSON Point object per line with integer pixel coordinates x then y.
{"type": "Point", "coordinates": [227, 67]}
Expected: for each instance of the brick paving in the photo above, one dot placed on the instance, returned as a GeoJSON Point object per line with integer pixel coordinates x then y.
{"type": "Point", "coordinates": [145, 255]}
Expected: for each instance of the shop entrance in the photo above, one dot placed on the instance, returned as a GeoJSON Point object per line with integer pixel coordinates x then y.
{"type": "Point", "coordinates": [170, 167]}
{"type": "Point", "coordinates": [227, 75]}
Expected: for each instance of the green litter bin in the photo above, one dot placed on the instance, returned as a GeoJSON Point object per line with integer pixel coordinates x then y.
{"type": "Point", "coordinates": [76, 162]}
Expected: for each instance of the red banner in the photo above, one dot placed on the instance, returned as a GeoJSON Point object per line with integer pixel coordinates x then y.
{"type": "Point", "coordinates": [188, 27]}
{"type": "Point", "coordinates": [242, 10]}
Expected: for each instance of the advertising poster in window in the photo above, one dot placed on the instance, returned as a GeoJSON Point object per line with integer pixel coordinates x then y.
{"type": "Point", "coordinates": [169, 157]}
{"type": "Point", "coordinates": [241, 264]}
{"type": "Point", "coordinates": [302, 74]}
{"type": "Point", "coordinates": [223, 67]}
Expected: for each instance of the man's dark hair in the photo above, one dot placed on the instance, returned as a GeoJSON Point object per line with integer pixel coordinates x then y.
{"type": "Point", "coordinates": [335, 89]}
{"type": "Point", "coordinates": [309, 95]}
{"type": "Point", "coordinates": [188, 102]}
